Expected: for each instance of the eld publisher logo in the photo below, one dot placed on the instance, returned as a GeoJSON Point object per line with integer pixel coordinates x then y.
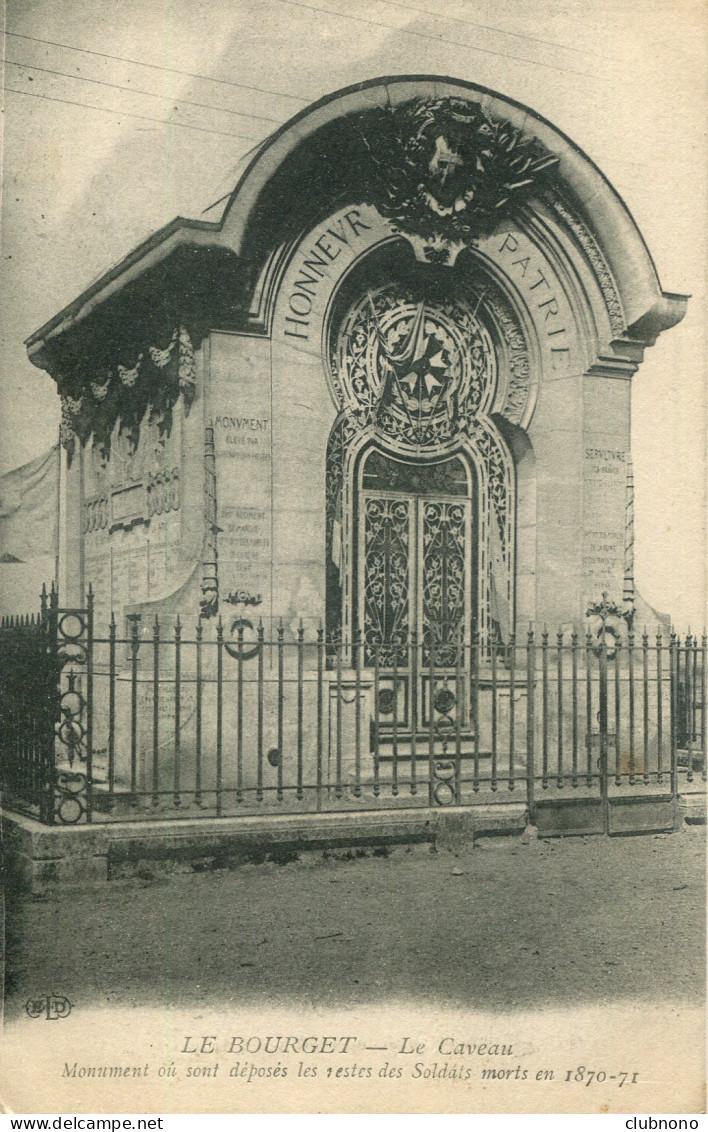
{"type": "Point", "coordinates": [49, 1006]}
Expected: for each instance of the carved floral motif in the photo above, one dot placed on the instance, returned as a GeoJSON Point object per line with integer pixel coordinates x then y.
{"type": "Point", "coordinates": [445, 171]}
{"type": "Point", "coordinates": [597, 262]}
{"type": "Point", "coordinates": [155, 380]}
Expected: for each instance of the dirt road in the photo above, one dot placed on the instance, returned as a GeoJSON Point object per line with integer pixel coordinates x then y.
{"type": "Point", "coordinates": [501, 926]}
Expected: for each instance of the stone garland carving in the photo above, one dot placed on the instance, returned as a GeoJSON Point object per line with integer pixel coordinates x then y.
{"type": "Point", "coordinates": [519, 366]}
{"type": "Point", "coordinates": [209, 601]}
{"type": "Point", "coordinates": [342, 433]}
{"type": "Point", "coordinates": [497, 482]}
{"type": "Point", "coordinates": [96, 513]}
{"type": "Point", "coordinates": [162, 492]}
{"type": "Point", "coordinates": [446, 172]}
{"type": "Point", "coordinates": [156, 379]}
{"type": "Point", "coordinates": [596, 259]}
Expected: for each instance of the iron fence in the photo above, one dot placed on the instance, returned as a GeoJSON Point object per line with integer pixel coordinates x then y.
{"type": "Point", "coordinates": [157, 722]}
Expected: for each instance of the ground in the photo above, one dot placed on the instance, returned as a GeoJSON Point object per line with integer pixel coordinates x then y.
{"type": "Point", "coordinates": [508, 924]}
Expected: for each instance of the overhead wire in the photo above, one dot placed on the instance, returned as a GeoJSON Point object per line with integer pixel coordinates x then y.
{"type": "Point", "coordinates": [488, 27]}
{"type": "Point", "coordinates": [158, 67]}
{"type": "Point", "coordinates": [130, 114]}
{"type": "Point", "coordinates": [432, 38]}
{"type": "Point", "coordinates": [135, 90]}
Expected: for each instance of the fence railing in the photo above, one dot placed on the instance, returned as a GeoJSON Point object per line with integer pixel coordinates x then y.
{"type": "Point", "coordinates": [162, 722]}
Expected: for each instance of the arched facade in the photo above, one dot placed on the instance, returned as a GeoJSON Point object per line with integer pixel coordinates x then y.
{"type": "Point", "coordinates": [418, 286]}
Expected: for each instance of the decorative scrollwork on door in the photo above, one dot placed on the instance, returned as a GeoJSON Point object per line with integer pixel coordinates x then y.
{"type": "Point", "coordinates": [443, 580]}
{"type": "Point", "coordinates": [387, 524]}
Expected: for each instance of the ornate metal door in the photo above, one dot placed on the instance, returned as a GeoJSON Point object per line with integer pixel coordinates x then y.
{"type": "Point", "coordinates": [415, 589]}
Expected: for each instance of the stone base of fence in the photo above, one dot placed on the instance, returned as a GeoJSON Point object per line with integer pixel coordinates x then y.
{"type": "Point", "coordinates": [40, 860]}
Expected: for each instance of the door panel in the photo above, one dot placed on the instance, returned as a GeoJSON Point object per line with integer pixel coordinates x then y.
{"type": "Point", "coordinates": [416, 578]}
{"type": "Point", "coordinates": [444, 577]}
{"type": "Point", "coordinates": [386, 579]}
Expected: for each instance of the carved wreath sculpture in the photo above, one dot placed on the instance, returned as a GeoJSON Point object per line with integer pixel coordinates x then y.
{"type": "Point", "coordinates": [443, 170]}
{"type": "Point", "coordinates": [124, 393]}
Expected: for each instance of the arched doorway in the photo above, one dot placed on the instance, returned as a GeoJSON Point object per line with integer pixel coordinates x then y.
{"type": "Point", "coordinates": [415, 568]}
{"type": "Point", "coordinates": [420, 483]}
{"type": "Point", "coordinates": [416, 557]}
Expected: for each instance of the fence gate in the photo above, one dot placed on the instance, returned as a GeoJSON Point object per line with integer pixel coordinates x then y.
{"type": "Point", "coordinates": [624, 703]}
{"type": "Point", "coordinates": [45, 711]}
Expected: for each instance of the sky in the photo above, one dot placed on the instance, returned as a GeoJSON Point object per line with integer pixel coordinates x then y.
{"type": "Point", "coordinates": [119, 117]}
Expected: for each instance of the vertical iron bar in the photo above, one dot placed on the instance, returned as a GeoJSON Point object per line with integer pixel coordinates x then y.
{"type": "Point", "coordinates": [259, 737]}
{"type": "Point", "coordinates": [659, 711]}
{"type": "Point", "coordinates": [89, 705]}
{"type": "Point", "coordinates": [704, 642]}
{"type": "Point", "coordinates": [357, 714]}
{"type": "Point", "coordinates": [603, 735]}
{"type": "Point", "coordinates": [694, 653]}
{"type": "Point", "coordinates": [588, 708]}
{"type": "Point", "coordinates": [198, 717]}
{"type": "Point", "coordinates": [281, 646]}
{"type": "Point", "coordinates": [394, 764]}
{"type": "Point", "coordinates": [239, 714]}
{"type": "Point", "coordinates": [134, 645]}
{"type": "Point", "coordinates": [475, 657]}
{"type": "Point", "coordinates": [431, 721]}
{"type": "Point", "coordinates": [338, 753]}
{"type": "Point", "coordinates": [574, 680]}
{"type": "Point", "coordinates": [112, 707]}
{"type": "Point", "coordinates": [155, 712]}
{"type": "Point", "coordinates": [645, 703]}
{"type": "Point", "coordinates": [493, 644]}
{"type": "Point", "coordinates": [458, 718]}
{"type": "Point", "coordinates": [544, 708]}
{"type": "Point", "coordinates": [530, 723]}
{"type": "Point", "coordinates": [300, 693]}
{"type": "Point", "coordinates": [512, 709]}
{"type": "Point", "coordinates": [673, 671]}
{"type": "Point", "coordinates": [559, 675]}
{"type": "Point", "coordinates": [618, 722]}
{"type": "Point", "coordinates": [630, 677]}
{"type": "Point", "coordinates": [178, 711]}
{"type": "Point", "coordinates": [320, 712]}
{"type": "Point", "coordinates": [219, 714]}
{"type": "Point", "coordinates": [413, 669]}
{"type": "Point", "coordinates": [377, 724]}
{"type": "Point", "coordinates": [688, 701]}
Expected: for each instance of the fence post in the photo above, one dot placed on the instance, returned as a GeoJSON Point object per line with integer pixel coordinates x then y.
{"type": "Point", "coordinates": [530, 723]}
{"type": "Point", "coordinates": [89, 705]}
{"type": "Point", "coordinates": [156, 712]}
{"type": "Point", "coordinates": [111, 708]}
{"type": "Point", "coordinates": [702, 704]}
{"type": "Point", "coordinates": [320, 712]}
{"type": "Point", "coordinates": [603, 736]}
{"type": "Point", "coordinates": [53, 709]}
{"type": "Point", "coordinates": [672, 699]}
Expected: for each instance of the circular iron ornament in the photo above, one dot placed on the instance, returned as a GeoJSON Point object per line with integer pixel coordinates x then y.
{"type": "Point", "coordinates": [240, 649]}
{"type": "Point", "coordinates": [444, 794]}
{"type": "Point", "coordinates": [274, 757]}
{"type": "Point", "coordinates": [387, 700]}
{"type": "Point", "coordinates": [444, 700]}
{"type": "Point", "coordinates": [608, 638]}
{"type": "Point", "coordinates": [70, 788]}
{"type": "Point", "coordinates": [416, 369]}
{"type": "Point", "coordinates": [68, 623]}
